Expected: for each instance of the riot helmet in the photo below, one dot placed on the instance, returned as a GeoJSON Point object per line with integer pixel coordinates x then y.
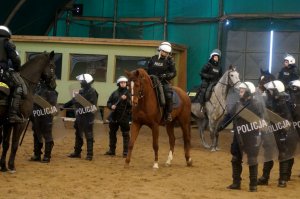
{"type": "Point", "coordinates": [85, 80]}
{"type": "Point", "coordinates": [290, 59]}
{"type": "Point", "coordinates": [275, 87]}
{"type": "Point", "coordinates": [165, 46]}
{"type": "Point", "coordinates": [122, 79]}
{"type": "Point", "coordinates": [295, 85]}
{"type": "Point", "coordinates": [215, 52]}
{"type": "Point", "coordinates": [5, 32]}
{"type": "Point", "coordinates": [247, 89]}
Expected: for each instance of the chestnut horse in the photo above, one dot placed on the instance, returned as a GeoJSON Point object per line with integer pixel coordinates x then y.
{"type": "Point", "coordinates": [146, 111]}
{"type": "Point", "coordinates": [41, 66]}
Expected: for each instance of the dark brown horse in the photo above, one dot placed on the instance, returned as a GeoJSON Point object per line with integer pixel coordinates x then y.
{"type": "Point", "coordinates": [265, 77]}
{"type": "Point", "coordinates": [146, 111]}
{"type": "Point", "coordinates": [41, 66]}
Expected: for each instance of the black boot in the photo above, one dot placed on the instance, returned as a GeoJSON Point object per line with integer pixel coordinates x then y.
{"type": "Point", "coordinates": [253, 178]}
{"type": "Point", "coordinates": [89, 145]}
{"type": "Point", "coordinates": [14, 111]}
{"type": "Point", "coordinates": [169, 107]}
{"type": "Point", "coordinates": [77, 148]}
{"type": "Point", "coordinates": [264, 179]}
{"type": "Point", "coordinates": [126, 139]}
{"type": "Point", "coordinates": [112, 142]}
{"type": "Point", "coordinates": [283, 173]}
{"type": "Point", "coordinates": [236, 174]}
{"type": "Point", "coordinates": [37, 149]}
{"type": "Point", "coordinates": [48, 150]}
{"type": "Point", "coordinates": [291, 163]}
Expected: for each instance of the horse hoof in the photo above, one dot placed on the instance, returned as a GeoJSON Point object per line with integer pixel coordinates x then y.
{"type": "Point", "coordinates": [206, 146]}
{"type": "Point", "coordinates": [155, 166]}
{"type": "Point", "coordinates": [12, 171]}
{"type": "Point", "coordinates": [126, 166]}
{"type": "Point", "coordinates": [168, 164]}
{"type": "Point", "coordinates": [4, 169]}
{"type": "Point", "coordinates": [189, 163]}
{"type": "Point", "coordinates": [218, 149]}
{"type": "Point", "coordinates": [213, 150]}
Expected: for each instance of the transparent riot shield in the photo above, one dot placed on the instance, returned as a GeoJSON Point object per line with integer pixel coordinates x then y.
{"type": "Point", "coordinates": [256, 144]}
{"type": "Point", "coordinates": [281, 125]}
{"type": "Point", "coordinates": [58, 128]}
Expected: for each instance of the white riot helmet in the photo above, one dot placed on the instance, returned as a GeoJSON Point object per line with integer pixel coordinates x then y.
{"type": "Point", "coordinates": [85, 77]}
{"type": "Point", "coordinates": [290, 59]}
{"type": "Point", "coordinates": [165, 46]}
{"type": "Point", "coordinates": [275, 85]}
{"type": "Point", "coordinates": [295, 83]}
{"type": "Point", "coordinates": [215, 52]}
{"type": "Point", "coordinates": [249, 86]}
{"type": "Point", "coordinates": [5, 32]}
{"type": "Point", "coordinates": [122, 79]}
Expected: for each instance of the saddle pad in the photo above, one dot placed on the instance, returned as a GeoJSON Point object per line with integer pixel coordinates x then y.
{"type": "Point", "coordinates": [176, 100]}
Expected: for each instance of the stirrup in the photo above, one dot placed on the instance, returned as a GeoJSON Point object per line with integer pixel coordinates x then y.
{"type": "Point", "coordinates": [169, 118]}
{"type": "Point", "coordinates": [16, 119]}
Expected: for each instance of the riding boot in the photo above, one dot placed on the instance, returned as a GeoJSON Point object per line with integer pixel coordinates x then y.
{"type": "Point", "coordinates": [112, 144]}
{"type": "Point", "coordinates": [236, 175]}
{"type": "Point", "coordinates": [253, 178]}
{"type": "Point", "coordinates": [126, 139]}
{"type": "Point", "coordinates": [37, 149]}
{"type": "Point", "coordinates": [264, 179]}
{"type": "Point", "coordinates": [48, 150]}
{"type": "Point", "coordinates": [291, 163]}
{"type": "Point", "coordinates": [89, 146]}
{"type": "Point", "coordinates": [283, 173]}
{"type": "Point", "coordinates": [169, 107]}
{"type": "Point", "coordinates": [14, 110]}
{"type": "Point", "coordinates": [77, 148]}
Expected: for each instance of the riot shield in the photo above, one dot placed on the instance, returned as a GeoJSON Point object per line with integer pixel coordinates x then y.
{"type": "Point", "coordinates": [256, 144]}
{"type": "Point", "coordinates": [58, 128]}
{"type": "Point", "coordinates": [281, 125]}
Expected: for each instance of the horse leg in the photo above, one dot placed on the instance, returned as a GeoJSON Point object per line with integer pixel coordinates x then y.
{"type": "Point", "coordinates": [5, 146]}
{"type": "Point", "coordinates": [170, 131]}
{"type": "Point", "coordinates": [155, 133]}
{"type": "Point", "coordinates": [17, 131]}
{"type": "Point", "coordinates": [135, 128]}
{"type": "Point", "coordinates": [201, 127]}
{"type": "Point", "coordinates": [186, 132]}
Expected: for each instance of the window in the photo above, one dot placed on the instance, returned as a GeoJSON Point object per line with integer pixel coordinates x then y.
{"type": "Point", "coordinates": [129, 63]}
{"type": "Point", "coordinates": [96, 65]}
{"type": "Point", "coordinates": [57, 61]}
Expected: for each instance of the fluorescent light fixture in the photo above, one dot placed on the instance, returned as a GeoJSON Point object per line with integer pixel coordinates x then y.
{"type": "Point", "coordinates": [271, 51]}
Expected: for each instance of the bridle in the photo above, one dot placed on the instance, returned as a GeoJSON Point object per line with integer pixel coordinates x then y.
{"type": "Point", "coordinates": [140, 93]}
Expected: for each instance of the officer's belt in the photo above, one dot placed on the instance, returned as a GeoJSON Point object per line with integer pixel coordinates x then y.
{"type": "Point", "coordinates": [42, 103]}
{"type": "Point", "coordinates": [83, 102]}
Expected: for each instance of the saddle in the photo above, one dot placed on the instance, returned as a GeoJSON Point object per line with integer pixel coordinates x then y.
{"type": "Point", "coordinates": [209, 91]}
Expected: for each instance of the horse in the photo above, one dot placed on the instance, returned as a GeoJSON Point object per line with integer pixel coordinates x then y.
{"type": "Point", "coordinates": [146, 111]}
{"type": "Point", "coordinates": [215, 107]}
{"type": "Point", "coordinates": [41, 66]}
{"type": "Point", "coordinates": [265, 77]}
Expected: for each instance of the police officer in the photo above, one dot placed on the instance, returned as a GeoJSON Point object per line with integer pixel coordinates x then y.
{"type": "Point", "coordinates": [163, 66]}
{"type": "Point", "coordinates": [119, 103]}
{"type": "Point", "coordinates": [284, 137]}
{"type": "Point", "coordinates": [42, 120]}
{"type": "Point", "coordinates": [245, 142]}
{"type": "Point", "coordinates": [289, 71]}
{"type": "Point", "coordinates": [84, 115]}
{"type": "Point", "coordinates": [10, 65]}
{"type": "Point", "coordinates": [210, 74]}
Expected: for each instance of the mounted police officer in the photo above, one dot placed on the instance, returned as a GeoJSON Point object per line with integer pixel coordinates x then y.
{"type": "Point", "coordinates": [289, 71]}
{"type": "Point", "coordinates": [210, 74]}
{"type": "Point", "coordinates": [286, 138]}
{"type": "Point", "coordinates": [42, 120]}
{"type": "Point", "coordinates": [163, 66]}
{"type": "Point", "coordinates": [245, 139]}
{"type": "Point", "coordinates": [119, 103]}
{"type": "Point", "coordinates": [86, 104]}
{"type": "Point", "coordinates": [10, 65]}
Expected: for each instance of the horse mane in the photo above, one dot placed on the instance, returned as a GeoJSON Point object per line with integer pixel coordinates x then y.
{"type": "Point", "coordinates": [142, 73]}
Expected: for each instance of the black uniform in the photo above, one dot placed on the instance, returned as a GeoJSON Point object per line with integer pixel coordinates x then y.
{"type": "Point", "coordinates": [164, 69]}
{"type": "Point", "coordinates": [119, 117]}
{"type": "Point", "coordinates": [42, 121]}
{"type": "Point", "coordinates": [210, 75]}
{"type": "Point", "coordinates": [284, 137]}
{"type": "Point", "coordinates": [245, 141]}
{"type": "Point", "coordinates": [10, 65]}
{"type": "Point", "coordinates": [84, 121]}
{"type": "Point", "coordinates": [288, 74]}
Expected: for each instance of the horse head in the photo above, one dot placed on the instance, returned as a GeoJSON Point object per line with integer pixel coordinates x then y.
{"type": "Point", "coordinates": [137, 80]}
{"type": "Point", "coordinates": [233, 77]}
{"type": "Point", "coordinates": [39, 67]}
{"type": "Point", "coordinates": [265, 77]}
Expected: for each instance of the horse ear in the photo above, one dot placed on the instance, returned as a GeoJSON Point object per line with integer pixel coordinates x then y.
{"type": "Point", "coordinates": [231, 67]}
{"type": "Point", "coordinates": [51, 55]}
